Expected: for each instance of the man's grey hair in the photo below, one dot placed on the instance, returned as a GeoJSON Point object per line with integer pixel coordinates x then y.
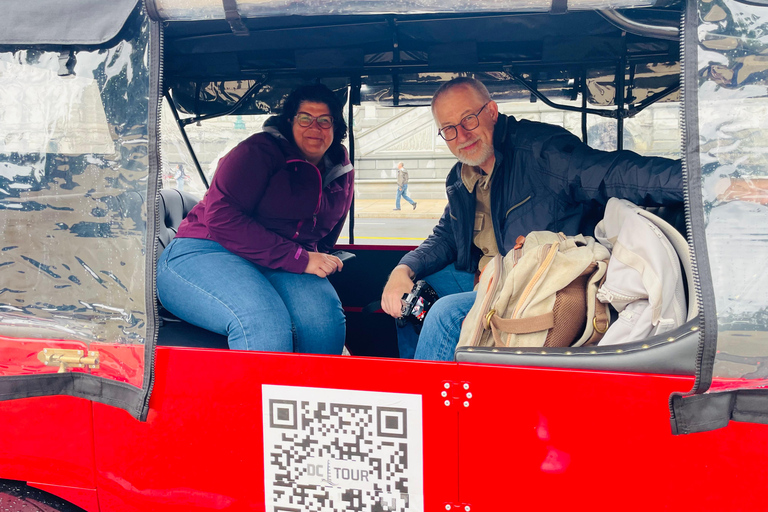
{"type": "Point", "coordinates": [475, 84]}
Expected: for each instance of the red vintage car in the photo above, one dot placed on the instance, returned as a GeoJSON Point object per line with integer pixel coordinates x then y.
{"type": "Point", "coordinates": [110, 405]}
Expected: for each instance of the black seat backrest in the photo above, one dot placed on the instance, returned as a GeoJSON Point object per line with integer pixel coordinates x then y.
{"type": "Point", "coordinates": [173, 207]}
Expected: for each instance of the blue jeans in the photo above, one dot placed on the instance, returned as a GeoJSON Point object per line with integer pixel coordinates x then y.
{"type": "Point", "coordinates": [442, 326]}
{"type": "Point", "coordinates": [402, 193]}
{"type": "Point", "coordinates": [447, 283]}
{"type": "Point", "coordinates": [257, 308]}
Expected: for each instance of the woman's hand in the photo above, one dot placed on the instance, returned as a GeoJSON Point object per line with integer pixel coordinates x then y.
{"type": "Point", "coordinates": [322, 264]}
{"type": "Point", "coordinates": [400, 282]}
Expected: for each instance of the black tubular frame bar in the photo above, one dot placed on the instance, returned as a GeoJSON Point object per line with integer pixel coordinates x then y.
{"type": "Point", "coordinates": [181, 124]}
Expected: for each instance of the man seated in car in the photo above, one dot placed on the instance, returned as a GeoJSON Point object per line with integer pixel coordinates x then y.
{"type": "Point", "coordinates": [513, 177]}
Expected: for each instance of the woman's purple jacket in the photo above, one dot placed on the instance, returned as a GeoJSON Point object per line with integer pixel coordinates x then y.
{"type": "Point", "coordinates": [267, 204]}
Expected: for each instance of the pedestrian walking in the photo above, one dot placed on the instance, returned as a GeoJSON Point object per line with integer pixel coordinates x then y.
{"type": "Point", "coordinates": [180, 175]}
{"type": "Point", "coordinates": [402, 187]}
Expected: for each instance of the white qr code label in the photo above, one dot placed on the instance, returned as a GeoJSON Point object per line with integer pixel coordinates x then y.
{"type": "Point", "coordinates": [341, 450]}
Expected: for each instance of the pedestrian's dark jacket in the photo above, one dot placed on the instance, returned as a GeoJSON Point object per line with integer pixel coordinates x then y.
{"type": "Point", "coordinates": [544, 179]}
{"type": "Point", "coordinates": [270, 206]}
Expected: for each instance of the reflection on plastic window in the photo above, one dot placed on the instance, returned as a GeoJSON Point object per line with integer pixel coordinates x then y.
{"type": "Point", "coordinates": [72, 199]}
{"type": "Point", "coordinates": [47, 113]}
{"type": "Point", "coordinates": [733, 106]}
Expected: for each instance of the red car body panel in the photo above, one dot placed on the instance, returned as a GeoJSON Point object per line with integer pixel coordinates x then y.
{"type": "Point", "coordinates": [524, 437]}
{"type": "Point", "coordinates": [600, 441]}
{"type": "Point", "coordinates": [201, 447]}
{"type": "Point", "coordinates": [48, 442]}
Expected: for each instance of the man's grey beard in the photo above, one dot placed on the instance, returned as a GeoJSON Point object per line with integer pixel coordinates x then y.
{"type": "Point", "coordinates": [486, 152]}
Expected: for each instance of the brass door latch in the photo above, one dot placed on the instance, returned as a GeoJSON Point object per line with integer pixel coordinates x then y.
{"type": "Point", "coordinates": [66, 359]}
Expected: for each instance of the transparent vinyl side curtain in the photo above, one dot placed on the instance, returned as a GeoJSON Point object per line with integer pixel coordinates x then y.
{"type": "Point", "coordinates": [733, 130]}
{"type": "Point", "coordinates": [73, 187]}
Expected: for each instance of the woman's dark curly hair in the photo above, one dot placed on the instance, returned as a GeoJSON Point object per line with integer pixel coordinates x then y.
{"type": "Point", "coordinates": [317, 93]}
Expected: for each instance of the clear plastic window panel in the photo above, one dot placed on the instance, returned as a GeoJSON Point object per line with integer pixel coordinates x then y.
{"type": "Point", "coordinates": [73, 188]}
{"type": "Point", "coordinates": [185, 10]}
{"type": "Point", "coordinates": [733, 108]}
{"type": "Point", "coordinates": [386, 135]}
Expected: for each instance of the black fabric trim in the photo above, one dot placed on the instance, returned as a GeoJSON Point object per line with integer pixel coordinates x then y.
{"type": "Point", "coordinates": [559, 7]}
{"type": "Point", "coordinates": [153, 220]}
{"type": "Point", "coordinates": [699, 255]}
{"type": "Point", "coordinates": [702, 413]}
{"type": "Point", "coordinates": [85, 22]}
{"type": "Point", "coordinates": [82, 385]}
{"type": "Point", "coordinates": [751, 406]}
{"type": "Point", "coordinates": [232, 15]}
{"type": "Point", "coordinates": [682, 419]}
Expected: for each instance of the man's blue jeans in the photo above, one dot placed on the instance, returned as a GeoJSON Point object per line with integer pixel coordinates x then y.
{"type": "Point", "coordinates": [440, 332]}
{"type": "Point", "coordinates": [402, 193]}
{"type": "Point", "coordinates": [258, 308]}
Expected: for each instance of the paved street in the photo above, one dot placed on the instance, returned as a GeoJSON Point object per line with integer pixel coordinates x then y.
{"type": "Point", "coordinates": [384, 208]}
{"type": "Point", "coordinates": [377, 224]}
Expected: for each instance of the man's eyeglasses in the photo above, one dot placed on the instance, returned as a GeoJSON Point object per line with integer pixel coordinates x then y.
{"type": "Point", "coordinates": [305, 120]}
{"type": "Point", "coordinates": [469, 123]}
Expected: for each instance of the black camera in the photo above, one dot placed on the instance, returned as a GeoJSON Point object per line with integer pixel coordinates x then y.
{"type": "Point", "coordinates": [416, 304]}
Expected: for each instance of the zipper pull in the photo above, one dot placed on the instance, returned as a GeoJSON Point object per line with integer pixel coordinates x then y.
{"type": "Point", "coordinates": [604, 295]}
{"type": "Point", "coordinates": [314, 221]}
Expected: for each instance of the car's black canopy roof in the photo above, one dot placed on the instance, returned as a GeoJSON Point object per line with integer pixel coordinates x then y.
{"type": "Point", "coordinates": [397, 58]}
{"type": "Point", "coordinates": [401, 59]}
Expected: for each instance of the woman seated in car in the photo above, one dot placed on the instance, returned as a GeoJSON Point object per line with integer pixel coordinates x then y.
{"type": "Point", "coordinates": [251, 259]}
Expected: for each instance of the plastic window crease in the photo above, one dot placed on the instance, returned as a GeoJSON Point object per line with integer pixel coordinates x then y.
{"type": "Point", "coordinates": [733, 107]}
{"type": "Point", "coordinates": [73, 186]}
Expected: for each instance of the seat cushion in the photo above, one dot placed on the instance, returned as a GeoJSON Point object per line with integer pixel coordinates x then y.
{"type": "Point", "coordinates": [173, 207]}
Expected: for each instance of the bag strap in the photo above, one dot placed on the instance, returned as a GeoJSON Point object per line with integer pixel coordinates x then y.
{"type": "Point", "coordinates": [600, 323]}
{"type": "Point", "coordinates": [520, 325]}
{"type": "Point", "coordinates": [601, 316]}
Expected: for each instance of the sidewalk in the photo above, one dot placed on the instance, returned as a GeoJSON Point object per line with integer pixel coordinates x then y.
{"type": "Point", "coordinates": [383, 208]}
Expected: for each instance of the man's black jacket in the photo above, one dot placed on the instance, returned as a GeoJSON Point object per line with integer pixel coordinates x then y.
{"type": "Point", "coordinates": [544, 178]}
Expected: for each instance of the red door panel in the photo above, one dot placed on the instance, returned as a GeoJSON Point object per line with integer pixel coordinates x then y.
{"type": "Point", "coordinates": [47, 440]}
{"type": "Point", "coordinates": [561, 440]}
{"type": "Point", "coordinates": [202, 447]}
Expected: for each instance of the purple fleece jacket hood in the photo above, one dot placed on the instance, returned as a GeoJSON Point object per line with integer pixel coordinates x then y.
{"type": "Point", "coordinates": [267, 204]}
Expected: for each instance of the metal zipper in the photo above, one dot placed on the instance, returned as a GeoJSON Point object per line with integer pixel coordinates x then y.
{"type": "Point", "coordinates": [686, 18]}
{"type": "Point", "coordinates": [298, 227]}
{"type": "Point", "coordinates": [319, 196]}
{"type": "Point", "coordinates": [156, 86]}
{"type": "Point", "coordinates": [608, 296]}
{"type": "Point", "coordinates": [686, 191]}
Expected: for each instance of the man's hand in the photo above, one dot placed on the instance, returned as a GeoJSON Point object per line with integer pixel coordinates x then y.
{"type": "Point", "coordinates": [322, 264]}
{"type": "Point", "coordinates": [400, 282]}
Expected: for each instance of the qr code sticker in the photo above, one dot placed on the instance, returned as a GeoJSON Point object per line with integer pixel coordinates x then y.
{"type": "Point", "coordinates": [341, 450]}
